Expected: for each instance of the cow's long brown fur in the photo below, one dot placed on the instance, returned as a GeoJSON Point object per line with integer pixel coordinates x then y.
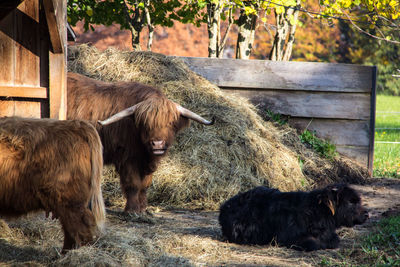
{"type": "Point", "coordinates": [126, 142]}
{"type": "Point", "coordinates": [53, 166]}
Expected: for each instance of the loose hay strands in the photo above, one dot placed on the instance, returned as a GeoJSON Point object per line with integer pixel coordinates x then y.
{"type": "Point", "coordinates": [208, 164]}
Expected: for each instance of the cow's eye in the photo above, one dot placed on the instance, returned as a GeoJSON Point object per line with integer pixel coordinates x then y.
{"type": "Point", "coordinates": [354, 201]}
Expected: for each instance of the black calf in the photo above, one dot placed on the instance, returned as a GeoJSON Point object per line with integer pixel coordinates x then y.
{"type": "Point", "coordinates": [300, 220]}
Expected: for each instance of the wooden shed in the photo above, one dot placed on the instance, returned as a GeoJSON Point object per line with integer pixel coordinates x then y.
{"type": "Point", "coordinates": [33, 42]}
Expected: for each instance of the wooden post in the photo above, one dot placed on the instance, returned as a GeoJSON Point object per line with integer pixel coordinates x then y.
{"type": "Point", "coordinates": [372, 122]}
{"type": "Point", "coordinates": [56, 17]}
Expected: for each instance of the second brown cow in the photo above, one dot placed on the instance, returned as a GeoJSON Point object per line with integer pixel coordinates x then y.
{"type": "Point", "coordinates": [139, 124]}
{"type": "Point", "coordinates": [53, 166]}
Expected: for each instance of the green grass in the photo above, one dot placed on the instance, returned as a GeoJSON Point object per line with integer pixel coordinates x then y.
{"type": "Point", "coordinates": [387, 129]}
{"type": "Point", "coordinates": [379, 247]}
{"type": "Point", "coordinates": [382, 246]}
{"type": "Point", "coordinates": [323, 147]}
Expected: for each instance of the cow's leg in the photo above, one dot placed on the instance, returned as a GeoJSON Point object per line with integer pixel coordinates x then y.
{"type": "Point", "coordinates": [131, 184]}
{"type": "Point", "coordinates": [146, 182]}
{"type": "Point", "coordinates": [69, 241]}
{"type": "Point", "coordinates": [79, 227]}
{"type": "Point", "coordinates": [331, 242]}
{"type": "Point", "coordinates": [132, 200]}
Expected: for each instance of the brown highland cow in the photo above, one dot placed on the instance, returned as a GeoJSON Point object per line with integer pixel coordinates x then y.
{"type": "Point", "coordinates": [142, 126]}
{"type": "Point", "coordinates": [53, 166]}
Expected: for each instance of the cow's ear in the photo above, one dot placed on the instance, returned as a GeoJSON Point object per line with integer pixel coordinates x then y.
{"type": "Point", "coordinates": [326, 200]}
{"type": "Point", "coordinates": [337, 191]}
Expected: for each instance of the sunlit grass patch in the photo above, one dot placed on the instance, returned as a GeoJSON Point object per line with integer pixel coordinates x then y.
{"type": "Point", "coordinates": [387, 160]}
{"type": "Point", "coordinates": [387, 137]}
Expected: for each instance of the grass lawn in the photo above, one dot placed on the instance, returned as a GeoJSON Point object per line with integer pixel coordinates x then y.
{"type": "Point", "coordinates": [387, 129]}
{"type": "Point", "coordinates": [381, 246]}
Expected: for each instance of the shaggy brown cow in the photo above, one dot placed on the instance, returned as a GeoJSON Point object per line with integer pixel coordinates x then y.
{"type": "Point", "coordinates": [53, 166]}
{"type": "Point", "coordinates": [143, 126]}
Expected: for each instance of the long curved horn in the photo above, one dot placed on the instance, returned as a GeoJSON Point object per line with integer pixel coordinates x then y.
{"type": "Point", "coordinates": [191, 115]}
{"type": "Point", "coordinates": [118, 116]}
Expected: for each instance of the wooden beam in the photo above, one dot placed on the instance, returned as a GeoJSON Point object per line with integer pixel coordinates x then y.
{"type": "Point", "coordinates": [58, 86]}
{"type": "Point", "coordinates": [284, 75]}
{"type": "Point", "coordinates": [23, 91]}
{"type": "Point", "coordinates": [55, 35]}
{"type": "Point", "coordinates": [328, 105]}
{"type": "Point", "coordinates": [372, 122]}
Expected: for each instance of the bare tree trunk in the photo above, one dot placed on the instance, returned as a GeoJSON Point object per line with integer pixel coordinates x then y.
{"type": "Point", "coordinates": [284, 37]}
{"type": "Point", "coordinates": [215, 43]}
{"type": "Point", "coordinates": [150, 40]}
{"type": "Point", "coordinates": [136, 24]}
{"type": "Point", "coordinates": [149, 25]}
{"type": "Point", "coordinates": [213, 22]}
{"type": "Point", "coordinates": [135, 39]}
{"type": "Point", "coordinates": [245, 40]}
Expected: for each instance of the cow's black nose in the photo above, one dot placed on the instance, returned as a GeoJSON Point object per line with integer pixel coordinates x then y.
{"type": "Point", "coordinates": [366, 214]}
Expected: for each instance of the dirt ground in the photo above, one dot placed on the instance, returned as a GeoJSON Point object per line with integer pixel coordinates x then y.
{"type": "Point", "coordinates": [181, 238]}
{"type": "Point", "coordinates": [196, 236]}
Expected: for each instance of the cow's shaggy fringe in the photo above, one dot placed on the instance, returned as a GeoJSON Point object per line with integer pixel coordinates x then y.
{"type": "Point", "coordinates": [207, 165]}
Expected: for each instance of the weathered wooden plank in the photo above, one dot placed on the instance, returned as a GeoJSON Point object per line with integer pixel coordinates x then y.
{"type": "Point", "coordinates": [286, 75]}
{"type": "Point", "coordinates": [359, 154]}
{"type": "Point", "coordinates": [7, 63]}
{"type": "Point", "coordinates": [311, 104]}
{"type": "Point", "coordinates": [339, 132]}
{"type": "Point", "coordinates": [60, 7]}
{"type": "Point", "coordinates": [20, 108]}
{"type": "Point", "coordinates": [51, 17]}
{"type": "Point", "coordinates": [56, 12]}
{"type": "Point", "coordinates": [27, 44]}
{"type": "Point", "coordinates": [58, 82]}
{"type": "Point", "coordinates": [23, 91]}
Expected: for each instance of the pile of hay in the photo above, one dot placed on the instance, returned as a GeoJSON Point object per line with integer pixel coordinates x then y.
{"type": "Point", "coordinates": [35, 240]}
{"type": "Point", "coordinates": [208, 164]}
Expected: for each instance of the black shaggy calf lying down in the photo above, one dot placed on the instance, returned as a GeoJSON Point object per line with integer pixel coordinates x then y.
{"type": "Point", "coordinates": [300, 220]}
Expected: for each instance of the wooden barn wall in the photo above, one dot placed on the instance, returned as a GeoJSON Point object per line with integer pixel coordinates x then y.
{"type": "Point", "coordinates": [32, 60]}
{"type": "Point", "coordinates": [23, 92]}
{"type": "Point", "coordinates": [337, 101]}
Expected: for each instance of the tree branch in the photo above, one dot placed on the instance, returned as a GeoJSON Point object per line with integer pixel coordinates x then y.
{"type": "Point", "coordinates": [225, 38]}
{"type": "Point", "coordinates": [370, 35]}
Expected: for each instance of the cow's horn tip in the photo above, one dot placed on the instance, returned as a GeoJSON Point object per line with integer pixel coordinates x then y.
{"type": "Point", "coordinates": [100, 122]}
{"type": "Point", "coordinates": [212, 121]}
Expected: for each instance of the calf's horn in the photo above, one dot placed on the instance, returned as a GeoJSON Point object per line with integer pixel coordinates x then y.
{"type": "Point", "coordinates": [193, 116]}
{"type": "Point", "coordinates": [120, 115]}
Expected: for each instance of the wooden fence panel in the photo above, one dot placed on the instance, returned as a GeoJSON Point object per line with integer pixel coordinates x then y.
{"type": "Point", "coordinates": [287, 75]}
{"type": "Point", "coordinates": [337, 101]}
